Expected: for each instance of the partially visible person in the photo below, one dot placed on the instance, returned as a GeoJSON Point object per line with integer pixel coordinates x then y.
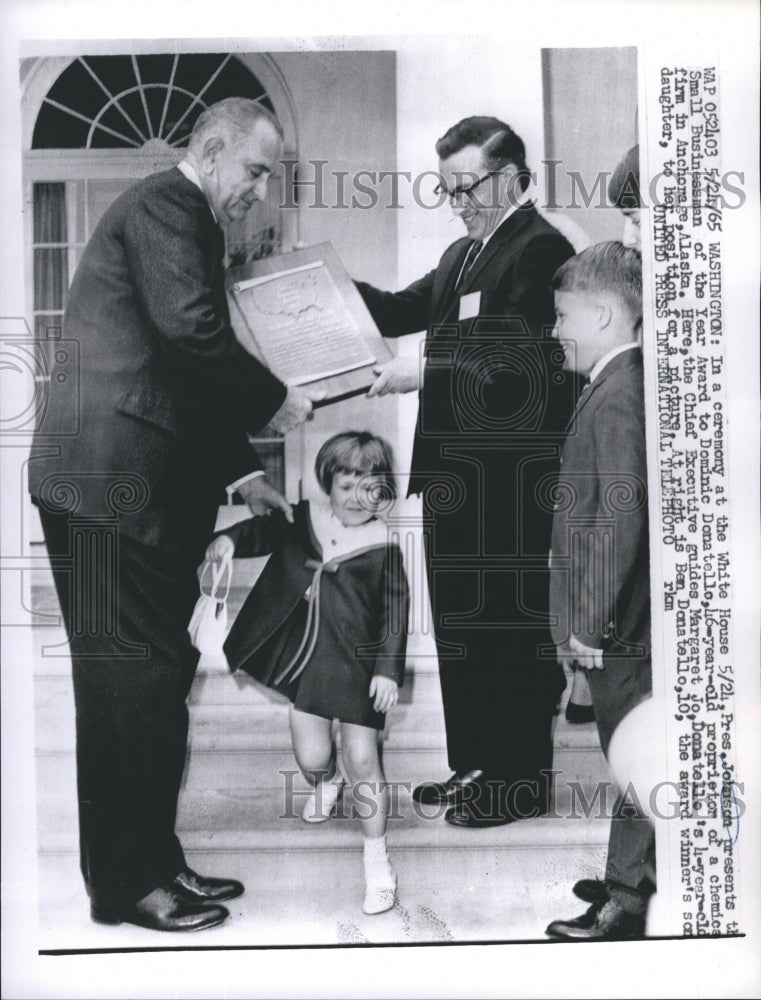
{"type": "Point", "coordinates": [624, 194]}
{"type": "Point", "coordinates": [493, 405]}
{"type": "Point", "coordinates": [600, 577]}
{"type": "Point", "coordinates": [326, 624]}
{"type": "Point", "coordinates": [163, 403]}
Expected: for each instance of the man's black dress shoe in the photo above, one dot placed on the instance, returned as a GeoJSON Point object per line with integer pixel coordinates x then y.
{"type": "Point", "coordinates": [601, 922]}
{"type": "Point", "coordinates": [591, 890]}
{"type": "Point", "coordinates": [434, 793]}
{"type": "Point", "coordinates": [164, 909]}
{"type": "Point", "coordinates": [463, 816]}
{"type": "Point", "coordinates": [579, 713]}
{"type": "Point", "coordinates": [198, 888]}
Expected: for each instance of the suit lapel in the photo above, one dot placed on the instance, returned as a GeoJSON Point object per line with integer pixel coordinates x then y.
{"type": "Point", "coordinates": [442, 304]}
{"type": "Point", "coordinates": [581, 402]}
{"type": "Point", "coordinates": [499, 243]}
{"type": "Point", "coordinates": [507, 232]}
{"type": "Point", "coordinates": [623, 360]}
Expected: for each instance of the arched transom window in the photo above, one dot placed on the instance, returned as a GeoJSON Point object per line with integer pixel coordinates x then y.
{"type": "Point", "coordinates": [130, 101]}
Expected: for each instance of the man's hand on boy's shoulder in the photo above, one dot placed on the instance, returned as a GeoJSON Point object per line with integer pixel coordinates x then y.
{"type": "Point", "coordinates": [260, 498]}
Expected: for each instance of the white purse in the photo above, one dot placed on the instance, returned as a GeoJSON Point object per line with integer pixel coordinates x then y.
{"type": "Point", "coordinates": [208, 624]}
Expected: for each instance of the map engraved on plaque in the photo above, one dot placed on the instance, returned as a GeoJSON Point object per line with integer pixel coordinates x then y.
{"type": "Point", "coordinates": [302, 325]}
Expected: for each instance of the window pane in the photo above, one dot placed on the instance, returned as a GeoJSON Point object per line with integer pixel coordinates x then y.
{"type": "Point", "coordinates": [100, 195]}
{"type": "Point", "coordinates": [75, 212]}
{"type": "Point", "coordinates": [51, 278]}
{"type": "Point", "coordinates": [126, 128]}
{"type": "Point", "coordinates": [76, 89]}
{"type": "Point", "coordinates": [50, 213]}
{"type": "Point", "coordinates": [54, 129]}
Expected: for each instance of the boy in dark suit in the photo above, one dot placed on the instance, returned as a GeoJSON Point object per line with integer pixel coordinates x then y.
{"type": "Point", "coordinates": [600, 582]}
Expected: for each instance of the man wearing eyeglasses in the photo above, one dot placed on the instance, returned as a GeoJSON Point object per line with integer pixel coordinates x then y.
{"type": "Point", "coordinates": [493, 405]}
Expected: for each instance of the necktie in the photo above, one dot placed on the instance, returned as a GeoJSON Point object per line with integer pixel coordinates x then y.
{"type": "Point", "coordinates": [470, 258]}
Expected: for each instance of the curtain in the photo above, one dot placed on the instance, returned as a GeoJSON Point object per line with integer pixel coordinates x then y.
{"type": "Point", "coordinates": [51, 269]}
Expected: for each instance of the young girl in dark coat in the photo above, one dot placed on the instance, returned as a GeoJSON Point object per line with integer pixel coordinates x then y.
{"type": "Point", "coordinates": [326, 623]}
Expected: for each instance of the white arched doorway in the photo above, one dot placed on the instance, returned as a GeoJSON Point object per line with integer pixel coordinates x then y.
{"type": "Point", "coordinates": [91, 126]}
{"type": "Point", "coordinates": [94, 124]}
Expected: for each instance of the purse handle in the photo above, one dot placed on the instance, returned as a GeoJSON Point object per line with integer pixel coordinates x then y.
{"type": "Point", "coordinates": [217, 573]}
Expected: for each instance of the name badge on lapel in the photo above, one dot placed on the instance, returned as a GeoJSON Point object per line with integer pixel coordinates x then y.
{"type": "Point", "coordinates": [470, 305]}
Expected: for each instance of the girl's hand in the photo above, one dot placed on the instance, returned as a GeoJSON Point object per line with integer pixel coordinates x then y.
{"type": "Point", "coordinates": [385, 691]}
{"type": "Point", "coordinates": [220, 548]}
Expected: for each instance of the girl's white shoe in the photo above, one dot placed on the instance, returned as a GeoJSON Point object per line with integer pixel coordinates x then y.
{"type": "Point", "coordinates": [380, 877]}
{"type": "Point", "coordinates": [322, 800]}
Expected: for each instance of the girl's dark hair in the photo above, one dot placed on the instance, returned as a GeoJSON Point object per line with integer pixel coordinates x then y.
{"type": "Point", "coordinates": [357, 453]}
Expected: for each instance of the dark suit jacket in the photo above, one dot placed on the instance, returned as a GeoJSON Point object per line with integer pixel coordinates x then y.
{"type": "Point", "coordinates": [165, 394]}
{"type": "Point", "coordinates": [600, 579]}
{"type": "Point", "coordinates": [493, 406]}
{"type": "Point", "coordinates": [363, 604]}
{"type": "Point", "coordinates": [495, 377]}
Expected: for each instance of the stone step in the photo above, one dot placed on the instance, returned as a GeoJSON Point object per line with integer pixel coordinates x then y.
{"type": "Point", "coordinates": [268, 820]}
{"type": "Point", "coordinates": [243, 746]}
{"type": "Point", "coordinates": [243, 727]}
{"type": "Point", "coordinates": [213, 684]}
{"type": "Point", "coordinates": [238, 816]}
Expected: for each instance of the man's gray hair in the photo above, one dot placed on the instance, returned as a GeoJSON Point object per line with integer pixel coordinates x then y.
{"type": "Point", "coordinates": [235, 116]}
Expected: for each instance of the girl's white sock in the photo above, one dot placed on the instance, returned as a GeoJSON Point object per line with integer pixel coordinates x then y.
{"type": "Point", "coordinates": [380, 877]}
{"type": "Point", "coordinates": [322, 800]}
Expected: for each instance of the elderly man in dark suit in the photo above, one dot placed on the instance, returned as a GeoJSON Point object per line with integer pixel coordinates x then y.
{"type": "Point", "coordinates": [493, 404]}
{"type": "Point", "coordinates": [600, 567]}
{"type": "Point", "coordinates": [164, 400]}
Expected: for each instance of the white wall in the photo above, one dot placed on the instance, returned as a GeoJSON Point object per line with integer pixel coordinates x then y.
{"type": "Point", "coordinates": [345, 107]}
{"type": "Point", "coordinates": [591, 121]}
{"type": "Point", "coordinates": [439, 81]}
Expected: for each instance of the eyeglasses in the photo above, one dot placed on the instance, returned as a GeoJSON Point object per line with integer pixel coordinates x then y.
{"type": "Point", "coordinates": [460, 192]}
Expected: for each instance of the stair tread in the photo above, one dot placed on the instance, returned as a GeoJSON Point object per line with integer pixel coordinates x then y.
{"type": "Point", "coordinates": [257, 819]}
{"type": "Point", "coordinates": [56, 662]}
{"type": "Point", "coordinates": [316, 898]}
{"type": "Point", "coordinates": [248, 727]}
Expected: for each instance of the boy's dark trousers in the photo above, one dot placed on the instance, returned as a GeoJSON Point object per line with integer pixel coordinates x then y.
{"type": "Point", "coordinates": [630, 870]}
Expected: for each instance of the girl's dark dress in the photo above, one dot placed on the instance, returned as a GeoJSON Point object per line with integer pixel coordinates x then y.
{"type": "Point", "coordinates": [359, 618]}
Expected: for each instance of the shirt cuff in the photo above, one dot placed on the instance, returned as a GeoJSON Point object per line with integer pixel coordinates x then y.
{"type": "Point", "coordinates": [244, 479]}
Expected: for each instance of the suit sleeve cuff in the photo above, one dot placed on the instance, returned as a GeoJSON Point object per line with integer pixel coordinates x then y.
{"type": "Point", "coordinates": [244, 479]}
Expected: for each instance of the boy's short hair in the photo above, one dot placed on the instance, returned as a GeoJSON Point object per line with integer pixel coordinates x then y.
{"type": "Point", "coordinates": [607, 269]}
{"type": "Point", "coordinates": [357, 453]}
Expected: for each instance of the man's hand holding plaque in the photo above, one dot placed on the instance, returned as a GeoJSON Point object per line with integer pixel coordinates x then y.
{"type": "Point", "coordinates": [400, 374]}
{"type": "Point", "coordinates": [301, 315]}
{"type": "Point", "coordinates": [297, 407]}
